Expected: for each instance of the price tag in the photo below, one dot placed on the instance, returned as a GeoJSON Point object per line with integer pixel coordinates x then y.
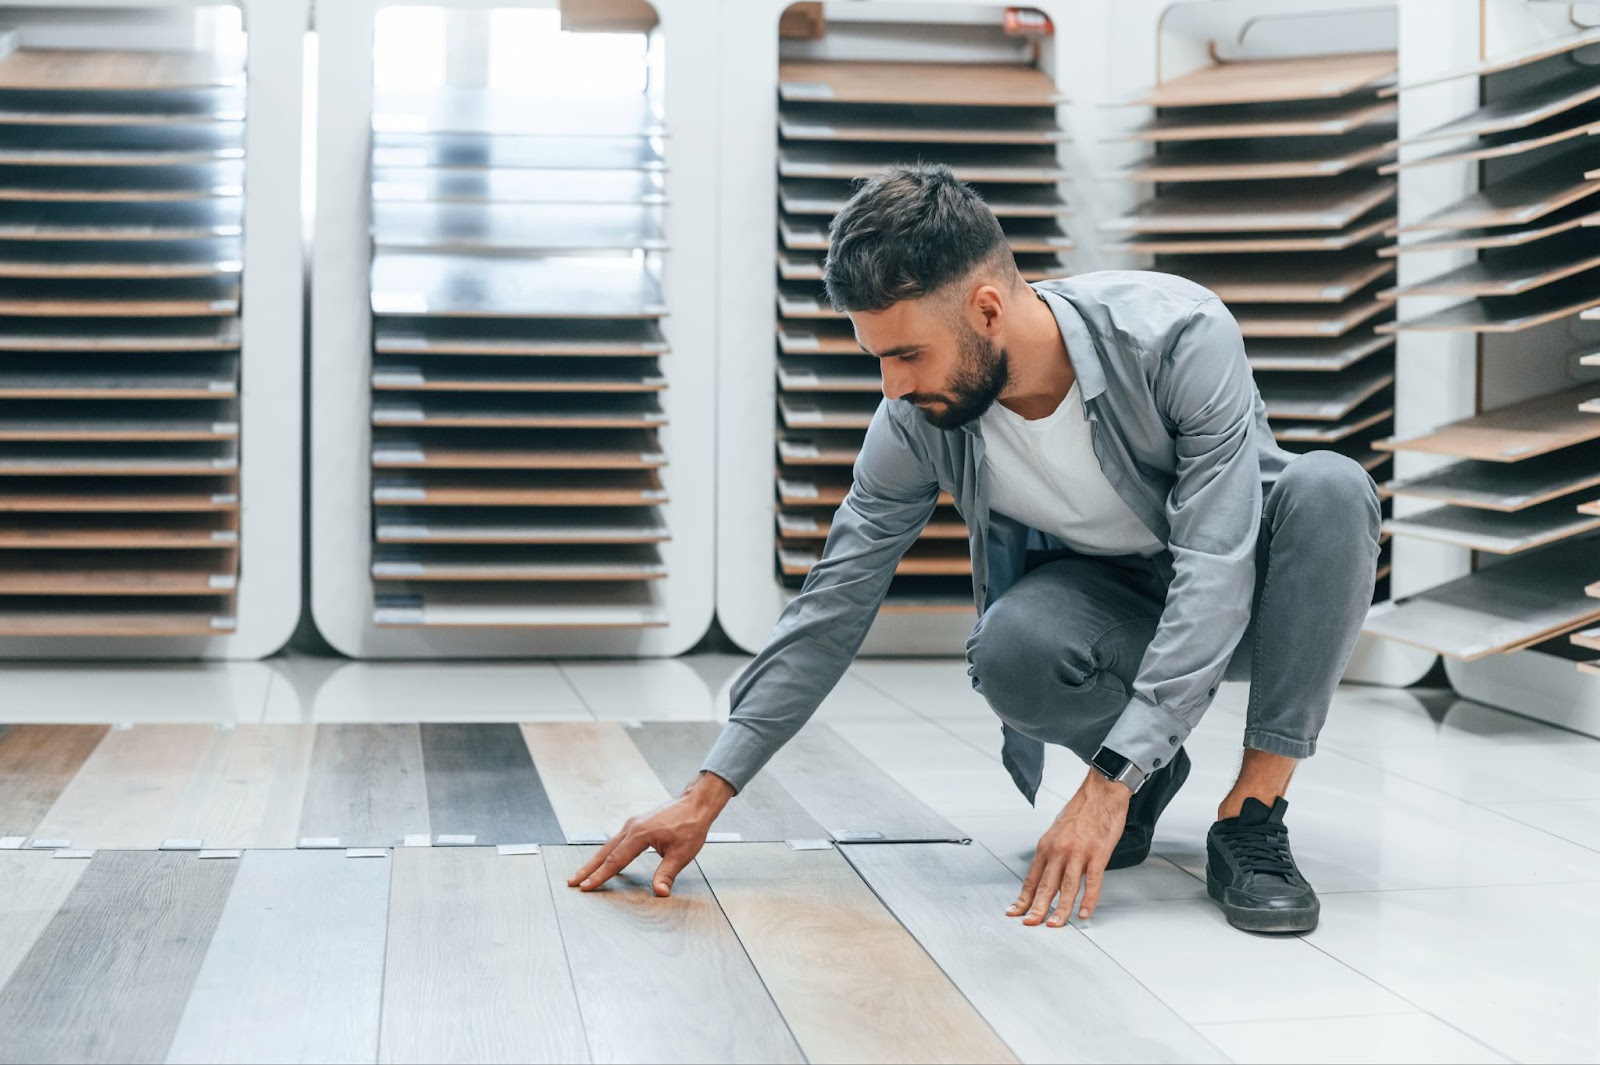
{"type": "Point", "coordinates": [805, 90]}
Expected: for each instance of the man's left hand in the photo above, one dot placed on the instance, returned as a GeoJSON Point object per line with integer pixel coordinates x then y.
{"type": "Point", "coordinates": [1073, 851]}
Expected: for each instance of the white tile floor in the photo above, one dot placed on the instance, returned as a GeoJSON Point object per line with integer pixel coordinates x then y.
{"type": "Point", "coordinates": [1456, 847]}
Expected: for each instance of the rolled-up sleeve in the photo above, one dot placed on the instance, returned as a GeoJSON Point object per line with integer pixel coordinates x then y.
{"type": "Point", "coordinates": [1206, 393]}
{"type": "Point", "coordinates": [817, 635]}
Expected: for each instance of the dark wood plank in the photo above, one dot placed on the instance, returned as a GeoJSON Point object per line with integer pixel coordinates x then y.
{"type": "Point", "coordinates": [481, 782]}
{"type": "Point", "coordinates": [37, 762]}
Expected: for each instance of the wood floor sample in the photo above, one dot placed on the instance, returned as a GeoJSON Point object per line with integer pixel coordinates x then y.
{"type": "Point", "coordinates": [481, 782]}
{"type": "Point", "coordinates": [662, 979]}
{"type": "Point", "coordinates": [848, 794]}
{"type": "Point", "coordinates": [762, 811]}
{"type": "Point", "coordinates": [247, 790]}
{"type": "Point", "coordinates": [476, 968]}
{"type": "Point", "coordinates": [595, 776]}
{"type": "Point", "coordinates": [33, 887]}
{"type": "Point", "coordinates": [125, 794]}
{"type": "Point", "coordinates": [37, 762]}
{"type": "Point", "coordinates": [851, 981]}
{"type": "Point", "coordinates": [366, 785]}
{"type": "Point", "coordinates": [294, 972]}
{"type": "Point", "coordinates": [953, 900]}
{"type": "Point", "coordinates": [108, 978]}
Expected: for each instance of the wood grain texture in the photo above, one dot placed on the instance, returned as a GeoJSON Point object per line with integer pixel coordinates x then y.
{"type": "Point", "coordinates": [476, 968]}
{"type": "Point", "coordinates": [1494, 532]}
{"type": "Point", "coordinates": [1520, 109]}
{"type": "Point", "coordinates": [294, 972]}
{"type": "Point", "coordinates": [953, 900]}
{"type": "Point", "coordinates": [37, 763]}
{"type": "Point", "coordinates": [662, 979]}
{"type": "Point", "coordinates": [33, 887]}
{"type": "Point", "coordinates": [1512, 433]}
{"type": "Point", "coordinates": [481, 782]}
{"type": "Point", "coordinates": [1262, 80]}
{"type": "Point", "coordinates": [976, 84]}
{"type": "Point", "coordinates": [1507, 488]}
{"type": "Point", "coordinates": [246, 792]}
{"type": "Point", "coordinates": [762, 811]}
{"type": "Point", "coordinates": [124, 795]}
{"type": "Point", "coordinates": [366, 785]}
{"type": "Point", "coordinates": [595, 776]}
{"type": "Point", "coordinates": [851, 982]}
{"type": "Point", "coordinates": [108, 978]}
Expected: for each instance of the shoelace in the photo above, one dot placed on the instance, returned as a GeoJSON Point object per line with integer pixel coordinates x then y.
{"type": "Point", "coordinates": [1262, 849]}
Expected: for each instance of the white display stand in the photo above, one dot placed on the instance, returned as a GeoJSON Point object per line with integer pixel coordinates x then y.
{"type": "Point", "coordinates": [341, 328]}
{"type": "Point", "coordinates": [268, 599]}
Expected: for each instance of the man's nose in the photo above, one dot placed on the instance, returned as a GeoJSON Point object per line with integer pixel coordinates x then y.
{"type": "Point", "coordinates": [896, 383]}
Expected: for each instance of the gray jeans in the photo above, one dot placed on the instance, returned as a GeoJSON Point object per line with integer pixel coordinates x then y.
{"type": "Point", "coordinates": [1057, 654]}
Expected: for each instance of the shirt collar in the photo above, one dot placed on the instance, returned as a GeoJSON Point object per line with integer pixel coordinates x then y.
{"type": "Point", "coordinates": [1087, 366]}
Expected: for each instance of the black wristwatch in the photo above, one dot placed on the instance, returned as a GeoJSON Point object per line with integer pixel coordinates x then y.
{"type": "Point", "coordinates": [1113, 766]}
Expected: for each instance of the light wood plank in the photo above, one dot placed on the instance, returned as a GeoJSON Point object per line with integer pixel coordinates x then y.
{"type": "Point", "coordinates": [1320, 119]}
{"type": "Point", "coordinates": [402, 454]}
{"type": "Point", "coordinates": [104, 68]}
{"type": "Point", "coordinates": [1505, 488]}
{"type": "Point", "coordinates": [33, 888]}
{"type": "Point", "coordinates": [828, 410]}
{"type": "Point", "coordinates": [602, 379]}
{"type": "Point", "coordinates": [1505, 61]}
{"type": "Point", "coordinates": [476, 968]}
{"type": "Point", "coordinates": [529, 412]}
{"type": "Point", "coordinates": [1555, 131]}
{"type": "Point", "coordinates": [1282, 279]}
{"type": "Point", "coordinates": [295, 969]}
{"type": "Point", "coordinates": [246, 791]}
{"type": "Point", "coordinates": [1519, 109]}
{"type": "Point", "coordinates": [798, 196]}
{"type": "Point", "coordinates": [1266, 208]}
{"type": "Point", "coordinates": [1511, 433]}
{"type": "Point", "coordinates": [1364, 417]}
{"type": "Point", "coordinates": [467, 337]}
{"type": "Point", "coordinates": [866, 82]}
{"type": "Point", "coordinates": [37, 763]}
{"type": "Point", "coordinates": [1262, 80]}
{"type": "Point", "coordinates": [662, 979]}
{"type": "Point", "coordinates": [187, 220]}
{"type": "Point", "coordinates": [124, 795]}
{"type": "Point", "coordinates": [116, 620]}
{"type": "Point", "coordinates": [108, 978]}
{"type": "Point", "coordinates": [939, 558]}
{"type": "Point", "coordinates": [366, 785]}
{"type": "Point", "coordinates": [481, 783]}
{"type": "Point", "coordinates": [1495, 532]}
{"type": "Point", "coordinates": [137, 336]}
{"type": "Point", "coordinates": [1510, 314]}
{"type": "Point", "coordinates": [762, 811]}
{"type": "Point", "coordinates": [953, 899]}
{"type": "Point", "coordinates": [595, 777]}
{"type": "Point", "coordinates": [584, 563]}
{"type": "Point", "coordinates": [808, 921]}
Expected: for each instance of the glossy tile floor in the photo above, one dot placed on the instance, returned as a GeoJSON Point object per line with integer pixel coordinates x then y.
{"type": "Point", "coordinates": [1456, 847]}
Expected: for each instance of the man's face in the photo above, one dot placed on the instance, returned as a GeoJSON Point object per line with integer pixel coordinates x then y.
{"type": "Point", "coordinates": [935, 358]}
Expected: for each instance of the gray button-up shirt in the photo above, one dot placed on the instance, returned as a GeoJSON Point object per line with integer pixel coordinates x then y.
{"type": "Point", "coordinates": [1180, 431]}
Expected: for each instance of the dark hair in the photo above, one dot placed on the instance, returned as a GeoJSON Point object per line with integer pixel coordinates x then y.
{"type": "Point", "coordinates": [905, 234]}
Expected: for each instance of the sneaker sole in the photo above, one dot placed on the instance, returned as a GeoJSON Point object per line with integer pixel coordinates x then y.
{"type": "Point", "coordinates": [1247, 919]}
{"type": "Point", "coordinates": [1130, 859]}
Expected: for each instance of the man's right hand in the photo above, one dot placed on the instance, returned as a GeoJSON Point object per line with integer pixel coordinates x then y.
{"type": "Point", "coordinates": [675, 830]}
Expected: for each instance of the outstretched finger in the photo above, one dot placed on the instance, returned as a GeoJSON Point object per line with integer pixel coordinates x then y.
{"type": "Point", "coordinates": [1044, 895]}
{"type": "Point", "coordinates": [1091, 895]}
{"type": "Point", "coordinates": [672, 864]}
{"type": "Point", "coordinates": [1030, 884]}
{"type": "Point", "coordinates": [595, 859]}
{"type": "Point", "coordinates": [1069, 894]}
{"type": "Point", "coordinates": [624, 853]}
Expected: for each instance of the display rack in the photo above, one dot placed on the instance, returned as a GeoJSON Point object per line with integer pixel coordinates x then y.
{"type": "Point", "coordinates": [149, 337]}
{"type": "Point", "coordinates": [516, 461]}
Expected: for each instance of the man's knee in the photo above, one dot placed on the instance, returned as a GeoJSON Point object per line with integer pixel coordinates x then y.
{"type": "Point", "coordinates": [1011, 646]}
{"type": "Point", "coordinates": [1327, 487]}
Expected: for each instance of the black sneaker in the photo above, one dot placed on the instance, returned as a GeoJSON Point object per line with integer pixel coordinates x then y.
{"type": "Point", "coordinates": [1143, 810]}
{"type": "Point", "coordinates": [1252, 875]}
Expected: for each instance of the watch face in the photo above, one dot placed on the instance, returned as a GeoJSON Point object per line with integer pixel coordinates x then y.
{"type": "Point", "coordinates": [1110, 762]}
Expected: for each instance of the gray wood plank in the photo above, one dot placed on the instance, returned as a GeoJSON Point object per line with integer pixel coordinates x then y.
{"type": "Point", "coordinates": [848, 794]}
{"type": "Point", "coordinates": [662, 979]}
{"type": "Point", "coordinates": [1498, 486]}
{"type": "Point", "coordinates": [37, 762]}
{"type": "Point", "coordinates": [762, 811]}
{"type": "Point", "coordinates": [33, 887]}
{"type": "Point", "coordinates": [476, 969]}
{"type": "Point", "coordinates": [481, 782]}
{"type": "Point", "coordinates": [366, 786]}
{"type": "Point", "coordinates": [953, 900]}
{"type": "Point", "coordinates": [108, 978]}
{"type": "Point", "coordinates": [295, 970]}
{"type": "Point", "coordinates": [811, 926]}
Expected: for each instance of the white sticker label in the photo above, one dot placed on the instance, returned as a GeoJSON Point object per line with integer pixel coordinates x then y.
{"type": "Point", "coordinates": [73, 854]}
{"type": "Point", "coordinates": [397, 569]}
{"type": "Point", "coordinates": [851, 835]}
{"type": "Point", "coordinates": [807, 129]}
{"type": "Point", "coordinates": [398, 377]}
{"type": "Point", "coordinates": [366, 852]}
{"type": "Point", "coordinates": [12, 843]}
{"type": "Point", "coordinates": [589, 837]}
{"type": "Point", "coordinates": [517, 848]}
{"type": "Point", "coordinates": [221, 854]}
{"type": "Point", "coordinates": [181, 844]}
{"type": "Point", "coordinates": [222, 581]}
{"type": "Point", "coordinates": [724, 837]}
{"type": "Point", "coordinates": [318, 842]}
{"type": "Point", "coordinates": [797, 489]}
{"type": "Point", "coordinates": [50, 844]}
{"type": "Point", "coordinates": [801, 341]}
{"type": "Point", "coordinates": [399, 495]}
{"type": "Point", "coordinates": [809, 844]}
{"type": "Point", "coordinates": [805, 90]}
{"type": "Point", "coordinates": [398, 457]}
{"type": "Point", "coordinates": [416, 839]}
{"type": "Point", "coordinates": [456, 841]}
{"type": "Point", "coordinates": [388, 415]}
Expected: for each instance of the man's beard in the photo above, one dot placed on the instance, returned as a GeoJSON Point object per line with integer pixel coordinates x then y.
{"type": "Point", "coordinates": [984, 373]}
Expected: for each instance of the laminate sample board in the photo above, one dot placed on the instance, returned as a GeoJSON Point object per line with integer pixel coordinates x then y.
{"type": "Point", "coordinates": [120, 259]}
{"type": "Point", "coordinates": [70, 573]}
{"type": "Point", "coordinates": [1500, 146]}
{"type": "Point", "coordinates": [1363, 417]}
{"type": "Point", "coordinates": [1264, 80]}
{"type": "Point", "coordinates": [1527, 198]}
{"type": "Point", "coordinates": [662, 979]}
{"type": "Point", "coordinates": [935, 559]}
{"type": "Point", "coordinates": [149, 186]}
{"type": "Point", "coordinates": [963, 124]}
{"type": "Point", "coordinates": [37, 763]}
{"type": "Point", "coordinates": [1002, 165]}
{"type": "Point", "coordinates": [94, 497]}
{"type": "Point", "coordinates": [101, 69]}
{"type": "Point", "coordinates": [575, 606]}
{"type": "Point", "coordinates": [953, 900]}
{"type": "Point", "coordinates": [762, 811]}
{"type": "Point", "coordinates": [420, 456]}
{"type": "Point", "coordinates": [120, 298]}
{"type": "Point", "coordinates": [1505, 61]}
{"type": "Point", "coordinates": [488, 337]}
{"type": "Point", "coordinates": [1510, 314]}
{"type": "Point", "coordinates": [33, 887]}
{"type": "Point", "coordinates": [426, 185]}
{"type": "Point", "coordinates": [1282, 278]}
{"type": "Point", "coordinates": [586, 563]}
{"type": "Point", "coordinates": [295, 969]}
{"type": "Point", "coordinates": [1266, 160]}
{"type": "Point", "coordinates": [804, 196]}
{"type": "Point", "coordinates": [1495, 532]}
{"type": "Point", "coordinates": [247, 788]}
{"type": "Point", "coordinates": [1511, 433]}
{"type": "Point", "coordinates": [520, 527]}
{"type": "Point", "coordinates": [1520, 109]}
{"type": "Point", "coordinates": [797, 525]}
{"type": "Point", "coordinates": [531, 412]}
{"type": "Point", "coordinates": [807, 922]}
{"type": "Point", "coordinates": [595, 777]}
{"type": "Point", "coordinates": [1314, 355]}
{"type": "Point", "coordinates": [128, 335]}
{"type": "Point", "coordinates": [1365, 229]}
{"type": "Point", "coordinates": [367, 786]}
{"type": "Point", "coordinates": [560, 488]}
{"type": "Point", "coordinates": [818, 338]}
{"type": "Point", "coordinates": [107, 979]}
{"type": "Point", "coordinates": [112, 107]}
{"type": "Point", "coordinates": [476, 968]}
{"type": "Point", "coordinates": [1258, 207]}
{"type": "Point", "coordinates": [554, 287]}
{"type": "Point", "coordinates": [1557, 222]}
{"type": "Point", "coordinates": [828, 410]}
{"type": "Point", "coordinates": [475, 151]}
{"type": "Point", "coordinates": [126, 791]}
{"type": "Point", "coordinates": [1319, 397]}
{"type": "Point", "coordinates": [1502, 487]}
{"type": "Point", "coordinates": [48, 618]}
{"type": "Point", "coordinates": [505, 112]}
{"type": "Point", "coordinates": [1298, 320]}
{"type": "Point", "coordinates": [1235, 122]}
{"type": "Point", "coordinates": [481, 783]}
{"type": "Point", "coordinates": [823, 448]}
{"type": "Point", "coordinates": [1499, 608]}
{"type": "Point", "coordinates": [186, 220]}
{"type": "Point", "coordinates": [530, 228]}
{"type": "Point", "coordinates": [974, 84]}
{"type": "Point", "coordinates": [463, 374]}
{"type": "Point", "coordinates": [1508, 273]}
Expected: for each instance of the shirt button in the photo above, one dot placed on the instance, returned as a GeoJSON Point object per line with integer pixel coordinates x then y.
{"type": "Point", "coordinates": [1213, 691]}
{"type": "Point", "coordinates": [1156, 764]}
{"type": "Point", "coordinates": [1172, 740]}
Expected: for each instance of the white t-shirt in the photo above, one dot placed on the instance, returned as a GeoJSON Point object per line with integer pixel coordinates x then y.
{"type": "Point", "coordinates": [1044, 474]}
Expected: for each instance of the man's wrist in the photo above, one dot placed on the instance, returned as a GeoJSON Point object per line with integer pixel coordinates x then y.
{"type": "Point", "coordinates": [708, 791]}
{"type": "Point", "coordinates": [1098, 783]}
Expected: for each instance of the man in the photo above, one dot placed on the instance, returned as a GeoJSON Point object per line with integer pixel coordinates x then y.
{"type": "Point", "coordinates": [1133, 529]}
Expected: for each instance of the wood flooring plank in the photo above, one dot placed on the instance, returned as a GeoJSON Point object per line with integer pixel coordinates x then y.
{"type": "Point", "coordinates": [762, 811]}
{"type": "Point", "coordinates": [662, 979]}
{"type": "Point", "coordinates": [481, 782]}
{"type": "Point", "coordinates": [596, 778]}
{"type": "Point", "coordinates": [476, 968]}
{"type": "Point", "coordinates": [247, 790]}
{"type": "Point", "coordinates": [1262, 80]}
{"type": "Point", "coordinates": [37, 763]}
{"type": "Point", "coordinates": [953, 899]}
{"type": "Point", "coordinates": [33, 887]}
{"type": "Point", "coordinates": [366, 785]}
{"type": "Point", "coordinates": [868, 82]}
{"type": "Point", "coordinates": [108, 978]}
{"type": "Point", "coordinates": [124, 795]}
{"type": "Point", "coordinates": [811, 925]}
{"type": "Point", "coordinates": [294, 972]}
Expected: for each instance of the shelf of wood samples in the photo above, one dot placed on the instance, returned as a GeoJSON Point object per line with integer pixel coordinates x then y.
{"type": "Point", "coordinates": [517, 360]}
{"type": "Point", "coordinates": [843, 120]}
{"type": "Point", "coordinates": [1266, 190]}
{"type": "Point", "coordinates": [120, 263]}
{"type": "Point", "coordinates": [1524, 490]}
